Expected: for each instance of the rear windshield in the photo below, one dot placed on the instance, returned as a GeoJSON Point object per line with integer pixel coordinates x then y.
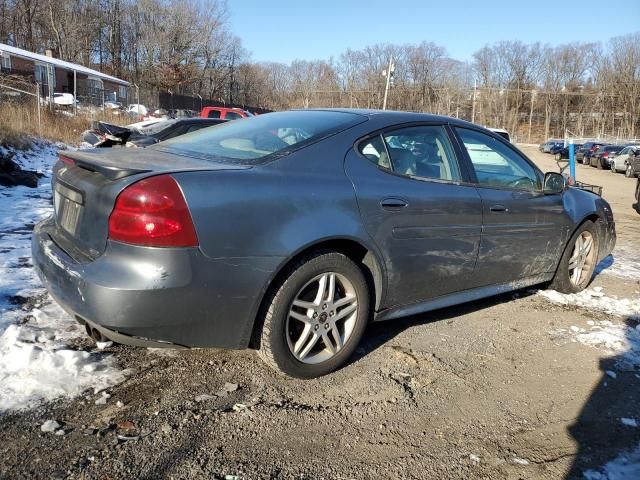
{"type": "Point", "coordinates": [256, 139]}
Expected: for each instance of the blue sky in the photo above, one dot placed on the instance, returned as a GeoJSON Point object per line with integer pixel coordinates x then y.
{"type": "Point", "coordinates": [285, 30]}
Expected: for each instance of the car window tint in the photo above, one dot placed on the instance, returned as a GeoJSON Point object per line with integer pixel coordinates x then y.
{"type": "Point", "coordinates": [232, 116]}
{"type": "Point", "coordinates": [213, 114]}
{"type": "Point", "coordinates": [422, 151]}
{"type": "Point", "coordinates": [496, 164]}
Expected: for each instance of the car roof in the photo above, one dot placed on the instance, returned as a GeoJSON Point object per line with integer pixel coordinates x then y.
{"type": "Point", "coordinates": [396, 115]}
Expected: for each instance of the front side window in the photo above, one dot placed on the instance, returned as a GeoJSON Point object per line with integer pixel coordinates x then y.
{"type": "Point", "coordinates": [256, 138]}
{"type": "Point", "coordinates": [497, 165]}
{"type": "Point", "coordinates": [421, 151]}
{"type": "Point", "coordinates": [232, 116]}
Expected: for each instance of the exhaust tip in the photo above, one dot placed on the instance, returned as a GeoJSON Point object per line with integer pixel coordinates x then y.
{"type": "Point", "coordinates": [96, 335]}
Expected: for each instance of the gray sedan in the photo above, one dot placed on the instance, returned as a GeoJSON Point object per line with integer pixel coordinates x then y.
{"type": "Point", "coordinates": [288, 232]}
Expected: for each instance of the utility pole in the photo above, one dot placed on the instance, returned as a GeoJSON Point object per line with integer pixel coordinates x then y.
{"type": "Point", "coordinates": [533, 99]}
{"type": "Point", "coordinates": [473, 101]}
{"type": "Point", "coordinates": [389, 74]}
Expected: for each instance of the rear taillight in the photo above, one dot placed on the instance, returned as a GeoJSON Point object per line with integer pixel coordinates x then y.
{"type": "Point", "coordinates": [152, 213]}
{"type": "Point", "coordinates": [605, 154]}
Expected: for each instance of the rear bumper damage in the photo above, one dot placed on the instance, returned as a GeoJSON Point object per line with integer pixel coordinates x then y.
{"type": "Point", "coordinates": [155, 296]}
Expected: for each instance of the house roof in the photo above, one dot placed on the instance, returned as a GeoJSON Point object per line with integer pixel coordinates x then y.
{"type": "Point", "coordinates": [18, 52]}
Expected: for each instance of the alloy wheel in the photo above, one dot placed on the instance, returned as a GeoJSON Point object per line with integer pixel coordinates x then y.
{"type": "Point", "coordinates": [582, 259]}
{"type": "Point", "coordinates": [321, 318]}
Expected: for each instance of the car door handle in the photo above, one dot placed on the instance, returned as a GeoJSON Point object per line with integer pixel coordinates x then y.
{"type": "Point", "coordinates": [498, 209]}
{"type": "Point", "coordinates": [393, 203]}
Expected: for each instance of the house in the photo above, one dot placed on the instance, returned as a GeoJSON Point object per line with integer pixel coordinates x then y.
{"type": "Point", "coordinates": [57, 76]}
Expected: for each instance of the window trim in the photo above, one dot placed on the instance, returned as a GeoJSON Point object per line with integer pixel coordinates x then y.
{"type": "Point", "coordinates": [539, 173]}
{"type": "Point", "coordinates": [384, 130]}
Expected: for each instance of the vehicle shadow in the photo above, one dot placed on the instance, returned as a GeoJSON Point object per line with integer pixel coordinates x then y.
{"type": "Point", "coordinates": [380, 333]}
{"type": "Point", "coordinates": [604, 429]}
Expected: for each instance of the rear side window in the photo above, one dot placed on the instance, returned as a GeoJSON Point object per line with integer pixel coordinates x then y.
{"type": "Point", "coordinates": [213, 114]}
{"type": "Point", "coordinates": [421, 151]}
{"type": "Point", "coordinates": [257, 138]}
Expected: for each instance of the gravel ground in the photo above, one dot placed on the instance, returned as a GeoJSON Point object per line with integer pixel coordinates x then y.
{"type": "Point", "coordinates": [483, 390]}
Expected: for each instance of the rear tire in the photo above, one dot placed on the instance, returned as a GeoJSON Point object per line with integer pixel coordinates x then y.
{"type": "Point", "coordinates": [567, 279]}
{"type": "Point", "coordinates": [315, 318]}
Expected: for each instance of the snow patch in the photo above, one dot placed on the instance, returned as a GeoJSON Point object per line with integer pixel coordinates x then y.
{"type": "Point", "coordinates": [36, 362]}
{"type": "Point", "coordinates": [595, 299]}
{"type": "Point", "coordinates": [623, 263]}
{"type": "Point", "coordinates": [621, 340]}
{"type": "Point", "coordinates": [625, 466]}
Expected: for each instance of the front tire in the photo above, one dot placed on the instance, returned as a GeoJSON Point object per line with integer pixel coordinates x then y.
{"type": "Point", "coordinates": [578, 261]}
{"type": "Point", "coordinates": [628, 171]}
{"type": "Point", "coordinates": [315, 319]}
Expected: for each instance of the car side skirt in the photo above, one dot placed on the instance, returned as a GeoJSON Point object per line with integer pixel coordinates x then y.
{"type": "Point", "coordinates": [460, 297]}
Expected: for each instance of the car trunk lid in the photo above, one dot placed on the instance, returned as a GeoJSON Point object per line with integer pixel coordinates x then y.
{"type": "Point", "coordinates": [87, 183]}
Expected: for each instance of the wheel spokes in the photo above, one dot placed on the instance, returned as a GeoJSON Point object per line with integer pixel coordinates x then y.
{"type": "Point", "coordinates": [310, 341]}
{"type": "Point", "coordinates": [346, 311]}
{"type": "Point", "coordinates": [324, 309]}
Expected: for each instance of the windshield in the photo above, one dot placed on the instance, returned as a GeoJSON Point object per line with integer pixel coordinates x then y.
{"type": "Point", "coordinates": [251, 140]}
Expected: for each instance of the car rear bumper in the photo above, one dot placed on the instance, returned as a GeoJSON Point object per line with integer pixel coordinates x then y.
{"type": "Point", "coordinates": [156, 296]}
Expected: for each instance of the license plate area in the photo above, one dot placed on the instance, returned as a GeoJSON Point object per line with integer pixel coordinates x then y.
{"type": "Point", "coordinates": [67, 204]}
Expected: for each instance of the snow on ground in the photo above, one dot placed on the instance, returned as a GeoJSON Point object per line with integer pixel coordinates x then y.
{"type": "Point", "coordinates": [616, 339]}
{"type": "Point", "coordinates": [623, 263]}
{"type": "Point", "coordinates": [625, 466]}
{"type": "Point", "coordinates": [36, 362]}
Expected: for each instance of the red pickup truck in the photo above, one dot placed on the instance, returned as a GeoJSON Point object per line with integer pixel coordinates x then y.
{"type": "Point", "coordinates": [224, 113]}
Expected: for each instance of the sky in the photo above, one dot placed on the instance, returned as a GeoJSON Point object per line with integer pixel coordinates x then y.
{"type": "Point", "coordinates": [286, 30]}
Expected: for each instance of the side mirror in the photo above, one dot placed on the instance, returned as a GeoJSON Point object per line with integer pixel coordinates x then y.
{"type": "Point", "coordinates": [554, 183]}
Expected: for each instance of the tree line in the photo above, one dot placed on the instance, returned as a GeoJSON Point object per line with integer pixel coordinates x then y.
{"type": "Point", "coordinates": [187, 47]}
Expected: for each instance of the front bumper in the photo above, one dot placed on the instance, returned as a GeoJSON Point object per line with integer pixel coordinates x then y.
{"type": "Point", "coordinates": [607, 232]}
{"type": "Point", "coordinates": [156, 296]}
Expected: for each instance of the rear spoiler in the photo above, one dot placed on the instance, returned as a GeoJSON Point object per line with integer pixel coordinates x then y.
{"type": "Point", "coordinates": [105, 166]}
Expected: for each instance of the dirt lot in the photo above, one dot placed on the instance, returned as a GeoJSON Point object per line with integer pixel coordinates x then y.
{"type": "Point", "coordinates": [494, 389]}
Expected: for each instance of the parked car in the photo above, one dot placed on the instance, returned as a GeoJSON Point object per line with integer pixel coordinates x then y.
{"type": "Point", "coordinates": [225, 113]}
{"type": "Point", "coordinates": [143, 134]}
{"type": "Point", "coordinates": [582, 154]}
{"type": "Point", "coordinates": [113, 105]}
{"type": "Point", "coordinates": [61, 99]}
{"type": "Point", "coordinates": [564, 151]}
{"type": "Point", "coordinates": [137, 110]}
{"type": "Point", "coordinates": [633, 166]}
{"type": "Point", "coordinates": [602, 157]}
{"type": "Point", "coordinates": [546, 146]}
{"type": "Point", "coordinates": [288, 231]}
{"type": "Point", "coordinates": [556, 147]}
{"type": "Point", "coordinates": [637, 195]}
{"type": "Point", "coordinates": [589, 153]}
{"type": "Point", "coordinates": [168, 129]}
{"type": "Point", "coordinates": [620, 162]}
{"type": "Point", "coordinates": [502, 132]}
{"type": "Point", "coordinates": [182, 113]}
